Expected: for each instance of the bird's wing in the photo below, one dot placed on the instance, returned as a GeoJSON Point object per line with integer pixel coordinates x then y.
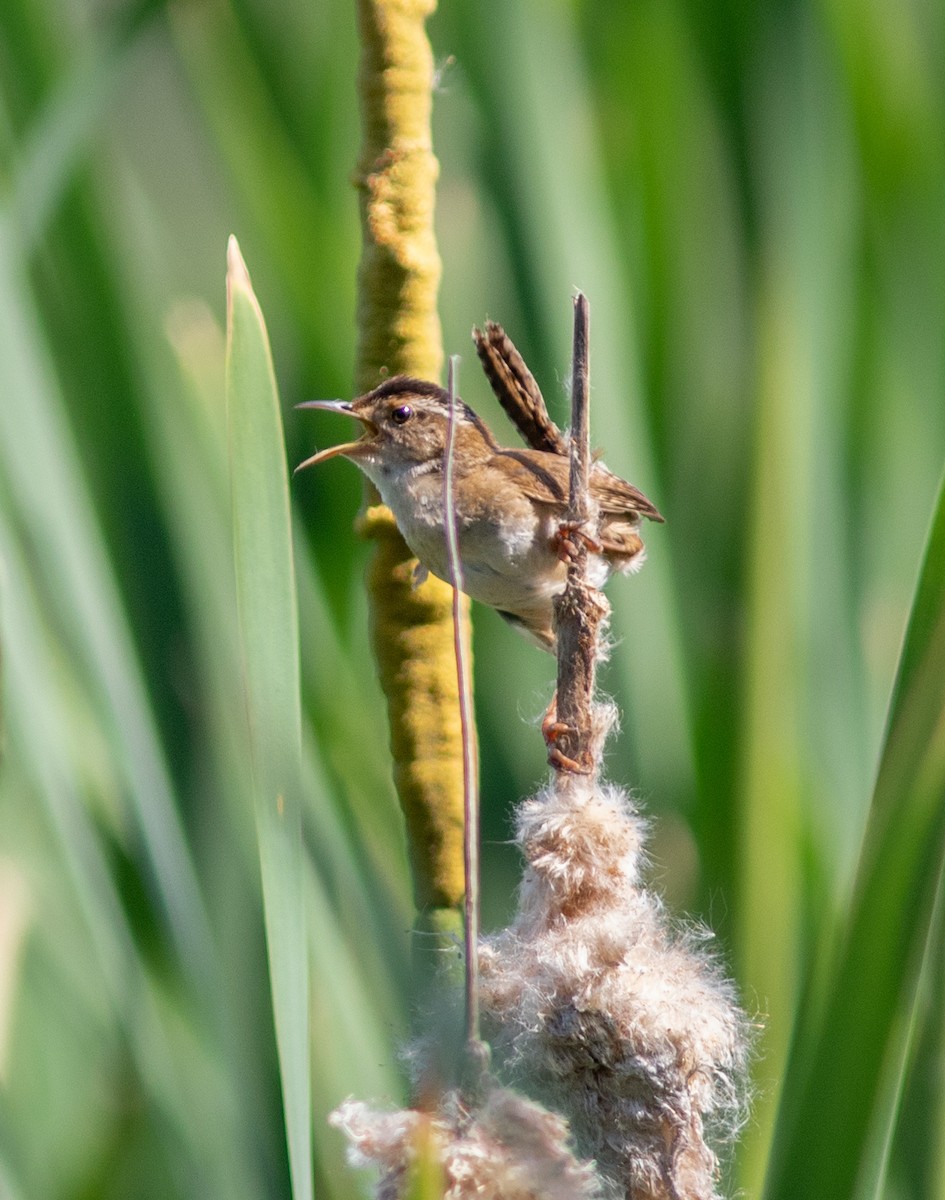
{"type": "Point", "coordinates": [538, 474]}
{"type": "Point", "coordinates": [546, 477]}
{"type": "Point", "coordinates": [516, 389]}
{"type": "Point", "coordinates": [615, 495]}
{"type": "Point", "coordinates": [521, 398]}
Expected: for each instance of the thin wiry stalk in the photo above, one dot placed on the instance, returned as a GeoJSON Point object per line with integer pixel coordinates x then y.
{"type": "Point", "coordinates": [579, 501]}
{"type": "Point", "coordinates": [476, 1048]}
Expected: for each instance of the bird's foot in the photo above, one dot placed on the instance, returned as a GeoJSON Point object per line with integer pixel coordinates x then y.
{"type": "Point", "coordinates": [551, 730]}
{"type": "Point", "coordinates": [551, 727]}
{"type": "Point", "coordinates": [566, 538]}
{"type": "Point", "coordinates": [561, 762]}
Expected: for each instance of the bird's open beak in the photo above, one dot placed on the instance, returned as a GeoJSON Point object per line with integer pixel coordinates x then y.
{"type": "Point", "coordinates": [342, 406]}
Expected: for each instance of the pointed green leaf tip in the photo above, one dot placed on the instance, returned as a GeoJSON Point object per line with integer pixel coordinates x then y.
{"type": "Point", "coordinates": [236, 272]}
{"type": "Point", "coordinates": [269, 647]}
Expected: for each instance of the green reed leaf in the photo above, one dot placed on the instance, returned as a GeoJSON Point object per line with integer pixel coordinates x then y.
{"type": "Point", "coordinates": [269, 641]}
{"type": "Point", "coordinates": [847, 1071]}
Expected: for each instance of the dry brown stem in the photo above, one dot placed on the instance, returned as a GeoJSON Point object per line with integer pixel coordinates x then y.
{"type": "Point", "coordinates": [597, 1006]}
{"type": "Point", "coordinates": [581, 609]}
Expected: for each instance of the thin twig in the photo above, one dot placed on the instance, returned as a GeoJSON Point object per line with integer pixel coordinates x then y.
{"type": "Point", "coordinates": [579, 499]}
{"type": "Point", "coordinates": [580, 610]}
{"type": "Point", "coordinates": [474, 1045]}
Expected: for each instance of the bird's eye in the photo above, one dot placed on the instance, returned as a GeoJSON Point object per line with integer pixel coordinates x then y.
{"type": "Point", "coordinates": [401, 415]}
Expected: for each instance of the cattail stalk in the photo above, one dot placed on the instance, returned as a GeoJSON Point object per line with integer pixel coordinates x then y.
{"type": "Point", "coordinates": [399, 332]}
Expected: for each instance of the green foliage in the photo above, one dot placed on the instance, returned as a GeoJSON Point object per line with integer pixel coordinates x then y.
{"type": "Point", "coordinates": [751, 197]}
{"type": "Point", "coordinates": [269, 654]}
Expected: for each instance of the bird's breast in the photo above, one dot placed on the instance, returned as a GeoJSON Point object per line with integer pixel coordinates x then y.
{"type": "Point", "coordinates": [506, 542]}
{"type": "Point", "coordinates": [505, 551]}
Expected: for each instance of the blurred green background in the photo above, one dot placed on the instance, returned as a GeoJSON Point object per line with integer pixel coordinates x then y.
{"type": "Point", "coordinates": [752, 197]}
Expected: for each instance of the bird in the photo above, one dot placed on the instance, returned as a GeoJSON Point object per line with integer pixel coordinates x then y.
{"type": "Point", "coordinates": [510, 504]}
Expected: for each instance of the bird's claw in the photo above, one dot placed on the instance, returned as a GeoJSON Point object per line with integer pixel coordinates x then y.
{"type": "Point", "coordinates": [551, 730]}
{"type": "Point", "coordinates": [566, 538]}
{"type": "Point", "coordinates": [560, 761]}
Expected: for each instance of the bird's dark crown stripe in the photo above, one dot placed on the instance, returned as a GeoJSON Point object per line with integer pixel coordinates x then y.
{"type": "Point", "coordinates": [407, 385]}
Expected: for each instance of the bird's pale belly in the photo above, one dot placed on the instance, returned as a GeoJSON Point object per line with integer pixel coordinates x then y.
{"type": "Point", "coordinates": [520, 574]}
{"type": "Point", "coordinates": [513, 567]}
{"type": "Point", "coordinates": [502, 573]}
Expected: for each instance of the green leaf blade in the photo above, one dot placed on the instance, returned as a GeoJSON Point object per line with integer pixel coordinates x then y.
{"type": "Point", "coordinates": [269, 644]}
{"type": "Point", "coordinates": [857, 1053]}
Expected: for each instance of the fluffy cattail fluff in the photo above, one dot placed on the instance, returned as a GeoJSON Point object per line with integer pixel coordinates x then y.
{"type": "Point", "coordinates": [596, 1007]}
{"type": "Point", "coordinates": [507, 1149]}
{"type": "Point", "coordinates": [622, 1027]}
{"type": "Point", "coordinates": [604, 1013]}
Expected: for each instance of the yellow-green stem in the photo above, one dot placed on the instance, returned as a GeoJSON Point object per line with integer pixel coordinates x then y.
{"type": "Point", "coordinates": [399, 333]}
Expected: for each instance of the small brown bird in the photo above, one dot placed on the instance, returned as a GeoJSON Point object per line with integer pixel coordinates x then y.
{"type": "Point", "coordinates": [509, 504]}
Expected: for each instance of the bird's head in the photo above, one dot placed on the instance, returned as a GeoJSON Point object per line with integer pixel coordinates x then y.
{"type": "Point", "coordinates": [405, 423]}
